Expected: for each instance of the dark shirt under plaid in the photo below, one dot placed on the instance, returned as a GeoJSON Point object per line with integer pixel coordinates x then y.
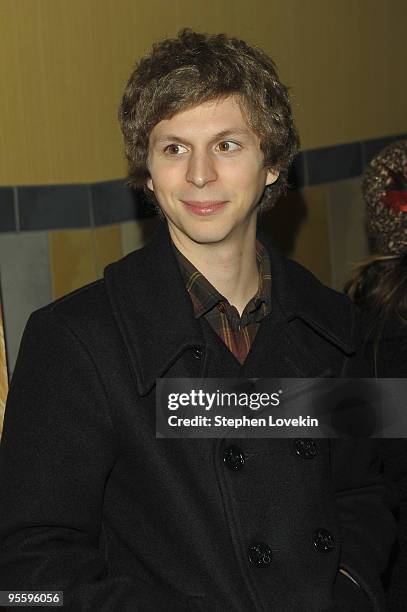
{"type": "Point", "coordinates": [238, 333]}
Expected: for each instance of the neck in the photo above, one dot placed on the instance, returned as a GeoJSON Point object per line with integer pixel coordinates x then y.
{"type": "Point", "coordinates": [229, 265]}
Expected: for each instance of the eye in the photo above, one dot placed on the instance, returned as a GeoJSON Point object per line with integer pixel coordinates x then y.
{"type": "Point", "coordinates": [228, 145]}
{"type": "Point", "coordinates": [175, 149]}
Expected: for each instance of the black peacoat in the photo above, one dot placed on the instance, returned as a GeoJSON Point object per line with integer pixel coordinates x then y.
{"type": "Point", "coordinates": [94, 505]}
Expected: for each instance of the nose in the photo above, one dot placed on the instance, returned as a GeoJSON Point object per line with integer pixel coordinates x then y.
{"type": "Point", "coordinates": [201, 169]}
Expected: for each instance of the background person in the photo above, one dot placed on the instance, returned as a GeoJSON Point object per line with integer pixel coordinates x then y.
{"type": "Point", "coordinates": [379, 287]}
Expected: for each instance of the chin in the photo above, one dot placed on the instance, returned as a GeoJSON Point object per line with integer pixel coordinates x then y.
{"type": "Point", "coordinates": [208, 234]}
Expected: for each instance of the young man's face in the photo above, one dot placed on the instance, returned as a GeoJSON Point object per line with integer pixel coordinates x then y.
{"type": "Point", "coordinates": [207, 172]}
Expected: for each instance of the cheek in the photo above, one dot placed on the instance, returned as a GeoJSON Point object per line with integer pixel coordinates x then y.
{"type": "Point", "coordinates": [166, 175]}
{"type": "Point", "coordinates": [246, 176]}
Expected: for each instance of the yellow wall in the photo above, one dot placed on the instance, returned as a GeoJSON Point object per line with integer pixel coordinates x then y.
{"type": "Point", "coordinates": [64, 63]}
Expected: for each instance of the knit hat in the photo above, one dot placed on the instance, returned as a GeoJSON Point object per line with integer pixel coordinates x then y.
{"type": "Point", "coordinates": [384, 189]}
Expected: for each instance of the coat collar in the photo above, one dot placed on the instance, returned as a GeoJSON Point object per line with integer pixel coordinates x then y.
{"type": "Point", "coordinates": [301, 295]}
{"type": "Point", "coordinates": [155, 315]}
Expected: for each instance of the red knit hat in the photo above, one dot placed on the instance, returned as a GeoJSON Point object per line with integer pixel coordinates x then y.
{"type": "Point", "coordinates": [385, 192]}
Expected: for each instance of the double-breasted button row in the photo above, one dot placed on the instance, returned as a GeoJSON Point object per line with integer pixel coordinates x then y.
{"type": "Point", "coordinates": [260, 554]}
{"type": "Point", "coordinates": [234, 457]}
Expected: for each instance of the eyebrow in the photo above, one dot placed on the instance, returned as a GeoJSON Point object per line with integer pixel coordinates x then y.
{"type": "Point", "coordinates": [222, 134]}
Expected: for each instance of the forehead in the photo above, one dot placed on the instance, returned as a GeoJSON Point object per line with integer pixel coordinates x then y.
{"type": "Point", "coordinates": [206, 119]}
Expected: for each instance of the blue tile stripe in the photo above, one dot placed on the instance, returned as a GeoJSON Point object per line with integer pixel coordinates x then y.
{"type": "Point", "coordinates": [50, 207]}
{"type": "Point", "coordinates": [335, 163]}
{"type": "Point", "coordinates": [114, 202]}
{"type": "Point", "coordinates": [53, 207]}
{"type": "Point", "coordinates": [47, 207]}
{"type": "Point", "coordinates": [7, 212]}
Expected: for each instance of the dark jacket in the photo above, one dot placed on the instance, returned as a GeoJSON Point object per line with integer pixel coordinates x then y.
{"type": "Point", "coordinates": [385, 349]}
{"type": "Point", "coordinates": [93, 504]}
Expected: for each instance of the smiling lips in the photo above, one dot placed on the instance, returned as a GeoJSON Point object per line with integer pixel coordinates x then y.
{"type": "Point", "coordinates": [205, 208]}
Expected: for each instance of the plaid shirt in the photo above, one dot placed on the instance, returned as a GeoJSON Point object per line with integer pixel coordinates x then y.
{"type": "Point", "coordinates": [238, 333]}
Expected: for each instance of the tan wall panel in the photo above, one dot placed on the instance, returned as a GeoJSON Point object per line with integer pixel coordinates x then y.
{"type": "Point", "coordinates": [108, 246]}
{"type": "Point", "coordinates": [298, 225]}
{"type": "Point", "coordinates": [72, 257]}
{"type": "Point", "coordinates": [135, 234]}
{"type": "Point", "coordinates": [311, 247]}
{"type": "Point", "coordinates": [347, 228]}
{"type": "Point", "coordinates": [63, 66]}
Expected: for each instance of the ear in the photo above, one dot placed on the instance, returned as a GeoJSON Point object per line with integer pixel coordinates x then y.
{"type": "Point", "coordinates": [272, 176]}
{"type": "Point", "coordinates": [149, 184]}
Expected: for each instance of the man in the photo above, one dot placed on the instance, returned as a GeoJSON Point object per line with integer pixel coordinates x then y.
{"type": "Point", "coordinates": [92, 503]}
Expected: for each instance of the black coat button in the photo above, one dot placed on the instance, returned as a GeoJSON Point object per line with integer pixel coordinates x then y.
{"type": "Point", "coordinates": [323, 540]}
{"type": "Point", "coordinates": [197, 352]}
{"type": "Point", "coordinates": [305, 448]}
{"type": "Point", "coordinates": [233, 458]}
{"type": "Point", "coordinates": [260, 554]}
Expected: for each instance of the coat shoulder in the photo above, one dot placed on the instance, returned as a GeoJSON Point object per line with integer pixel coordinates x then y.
{"type": "Point", "coordinates": [306, 281]}
{"type": "Point", "coordinates": [86, 307]}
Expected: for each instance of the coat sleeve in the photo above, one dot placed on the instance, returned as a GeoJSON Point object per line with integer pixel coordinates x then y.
{"type": "Point", "coordinates": [57, 451]}
{"type": "Point", "coordinates": [364, 500]}
{"type": "Point", "coordinates": [364, 497]}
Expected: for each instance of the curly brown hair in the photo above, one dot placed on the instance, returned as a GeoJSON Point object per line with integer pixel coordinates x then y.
{"type": "Point", "coordinates": [378, 285]}
{"type": "Point", "coordinates": [195, 68]}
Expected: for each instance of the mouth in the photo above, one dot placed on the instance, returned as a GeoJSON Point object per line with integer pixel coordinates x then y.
{"type": "Point", "coordinates": [205, 208]}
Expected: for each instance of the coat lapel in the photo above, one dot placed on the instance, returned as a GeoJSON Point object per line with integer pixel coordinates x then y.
{"type": "Point", "coordinates": [298, 298]}
{"type": "Point", "coordinates": [152, 308]}
{"type": "Point", "coordinates": [301, 295]}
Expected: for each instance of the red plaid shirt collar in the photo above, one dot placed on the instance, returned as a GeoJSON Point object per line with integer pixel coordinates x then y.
{"type": "Point", "coordinates": [205, 297]}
